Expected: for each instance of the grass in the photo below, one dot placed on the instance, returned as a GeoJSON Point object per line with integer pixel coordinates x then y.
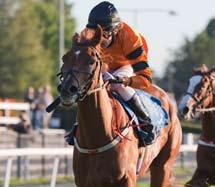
{"type": "Point", "coordinates": [143, 185]}
{"type": "Point", "coordinates": [37, 181]}
{"type": "Point", "coordinates": [40, 182]}
{"type": "Point", "coordinates": [192, 127]}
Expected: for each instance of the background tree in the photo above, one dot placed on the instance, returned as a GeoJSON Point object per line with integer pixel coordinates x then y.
{"type": "Point", "coordinates": [47, 10]}
{"type": "Point", "coordinates": [23, 57]}
{"type": "Point", "coordinates": [192, 54]}
{"type": "Point", "coordinates": [29, 44]}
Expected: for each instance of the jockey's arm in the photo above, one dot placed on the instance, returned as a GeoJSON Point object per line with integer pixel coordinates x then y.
{"type": "Point", "coordinates": [142, 72]}
{"type": "Point", "coordinates": [142, 79]}
{"type": "Point", "coordinates": [136, 51]}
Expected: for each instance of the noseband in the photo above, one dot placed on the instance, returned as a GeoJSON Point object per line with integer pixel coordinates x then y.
{"type": "Point", "coordinates": [82, 92]}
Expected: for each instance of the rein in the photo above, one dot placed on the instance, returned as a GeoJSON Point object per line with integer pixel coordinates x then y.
{"type": "Point", "coordinates": [200, 101]}
{"type": "Point", "coordinates": [212, 109]}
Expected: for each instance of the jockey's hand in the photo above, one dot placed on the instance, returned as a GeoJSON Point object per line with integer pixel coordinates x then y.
{"type": "Point", "coordinates": [126, 81]}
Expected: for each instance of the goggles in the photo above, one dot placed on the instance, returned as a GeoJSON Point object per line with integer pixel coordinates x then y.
{"type": "Point", "coordinates": [107, 34]}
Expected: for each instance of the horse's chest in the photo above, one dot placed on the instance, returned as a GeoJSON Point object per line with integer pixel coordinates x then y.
{"type": "Point", "coordinates": [103, 173]}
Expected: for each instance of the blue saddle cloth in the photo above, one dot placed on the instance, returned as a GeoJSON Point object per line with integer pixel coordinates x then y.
{"type": "Point", "coordinates": [158, 115]}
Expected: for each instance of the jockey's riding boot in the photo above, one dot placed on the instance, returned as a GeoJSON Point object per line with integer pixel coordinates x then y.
{"type": "Point", "coordinates": [69, 138]}
{"type": "Point", "coordinates": [145, 132]}
{"type": "Point", "coordinates": [139, 109]}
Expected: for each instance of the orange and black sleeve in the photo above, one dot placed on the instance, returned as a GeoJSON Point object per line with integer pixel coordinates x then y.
{"type": "Point", "coordinates": [136, 51]}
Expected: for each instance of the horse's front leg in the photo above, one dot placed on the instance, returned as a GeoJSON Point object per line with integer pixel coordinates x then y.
{"type": "Point", "coordinates": [127, 181]}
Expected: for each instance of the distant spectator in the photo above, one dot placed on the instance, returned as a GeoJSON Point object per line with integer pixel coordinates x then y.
{"type": "Point", "coordinates": [39, 110]}
{"type": "Point", "coordinates": [48, 98]}
{"type": "Point", "coordinates": [43, 99]}
{"type": "Point", "coordinates": [30, 98]}
{"type": "Point", "coordinates": [55, 120]}
{"type": "Point", "coordinates": [24, 126]}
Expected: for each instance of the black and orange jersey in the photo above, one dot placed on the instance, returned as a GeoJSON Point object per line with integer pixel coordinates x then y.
{"type": "Point", "coordinates": [129, 47]}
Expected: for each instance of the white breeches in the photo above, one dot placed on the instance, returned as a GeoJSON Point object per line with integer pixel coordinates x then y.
{"type": "Point", "coordinates": [125, 92]}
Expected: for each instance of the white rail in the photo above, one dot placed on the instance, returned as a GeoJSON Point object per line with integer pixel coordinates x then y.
{"type": "Point", "coordinates": [188, 148]}
{"type": "Point", "coordinates": [7, 107]}
{"type": "Point", "coordinates": [55, 152]}
{"type": "Point", "coordinates": [14, 106]}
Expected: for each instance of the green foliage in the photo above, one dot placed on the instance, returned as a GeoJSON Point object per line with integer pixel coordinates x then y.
{"type": "Point", "coordinates": [192, 54]}
{"type": "Point", "coordinates": [48, 13]}
{"type": "Point", "coordinates": [191, 127]}
{"type": "Point", "coordinates": [23, 57]}
{"type": "Point", "coordinates": [211, 28]}
{"type": "Point", "coordinates": [29, 44]}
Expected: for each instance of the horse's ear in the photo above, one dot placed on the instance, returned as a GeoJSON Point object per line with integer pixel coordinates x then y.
{"type": "Point", "coordinates": [212, 72]}
{"type": "Point", "coordinates": [65, 58]}
{"type": "Point", "coordinates": [98, 36]}
{"type": "Point", "coordinates": [75, 39]}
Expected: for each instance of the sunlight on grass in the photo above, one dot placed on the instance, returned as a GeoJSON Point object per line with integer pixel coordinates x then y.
{"type": "Point", "coordinates": [142, 185]}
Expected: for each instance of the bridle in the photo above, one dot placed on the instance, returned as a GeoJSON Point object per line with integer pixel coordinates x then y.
{"type": "Point", "coordinates": [199, 101]}
{"type": "Point", "coordinates": [83, 92]}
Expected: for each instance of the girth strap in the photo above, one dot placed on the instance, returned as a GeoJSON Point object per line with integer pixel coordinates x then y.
{"type": "Point", "coordinates": [110, 145]}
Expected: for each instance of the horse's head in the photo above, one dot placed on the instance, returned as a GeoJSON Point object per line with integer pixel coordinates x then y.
{"type": "Point", "coordinates": [81, 67]}
{"type": "Point", "coordinates": [199, 94]}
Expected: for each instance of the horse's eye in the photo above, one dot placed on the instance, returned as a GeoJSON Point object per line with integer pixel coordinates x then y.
{"type": "Point", "coordinates": [90, 61]}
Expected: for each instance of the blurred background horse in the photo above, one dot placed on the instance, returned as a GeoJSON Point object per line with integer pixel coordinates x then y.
{"type": "Point", "coordinates": [200, 98]}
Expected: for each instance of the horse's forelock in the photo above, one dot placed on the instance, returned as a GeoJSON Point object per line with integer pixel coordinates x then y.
{"type": "Point", "coordinates": [88, 37]}
{"type": "Point", "coordinates": [98, 36]}
{"type": "Point", "coordinates": [212, 72]}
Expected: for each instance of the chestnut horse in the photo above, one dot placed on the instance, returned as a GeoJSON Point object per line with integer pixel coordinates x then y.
{"type": "Point", "coordinates": [200, 97]}
{"type": "Point", "coordinates": [106, 148]}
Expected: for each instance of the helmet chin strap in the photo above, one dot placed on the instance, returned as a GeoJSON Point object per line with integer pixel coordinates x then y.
{"type": "Point", "coordinates": [107, 42]}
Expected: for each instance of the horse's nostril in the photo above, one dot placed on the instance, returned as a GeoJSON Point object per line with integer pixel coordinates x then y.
{"type": "Point", "coordinates": [59, 88]}
{"type": "Point", "coordinates": [186, 110]}
{"type": "Point", "coordinates": [73, 89]}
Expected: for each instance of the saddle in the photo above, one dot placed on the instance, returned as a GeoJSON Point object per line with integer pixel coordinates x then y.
{"type": "Point", "coordinates": [158, 115]}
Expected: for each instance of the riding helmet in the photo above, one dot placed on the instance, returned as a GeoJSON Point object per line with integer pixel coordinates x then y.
{"type": "Point", "coordinates": [105, 14]}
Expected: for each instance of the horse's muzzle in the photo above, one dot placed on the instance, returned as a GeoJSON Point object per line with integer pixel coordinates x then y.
{"type": "Point", "coordinates": [67, 99]}
{"type": "Point", "coordinates": [188, 113]}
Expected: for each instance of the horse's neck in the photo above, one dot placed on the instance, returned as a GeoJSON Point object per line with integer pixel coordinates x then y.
{"type": "Point", "coordinates": [95, 118]}
{"type": "Point", "coordinates": [208, 121]}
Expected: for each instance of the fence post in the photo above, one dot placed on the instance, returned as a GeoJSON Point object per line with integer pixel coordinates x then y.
{"type": "Point", "coordinates": [8, 172]}
{"type": "Point", "coordinates": [43, 157]}
{"type": "Point", "coordinates": [18, 145]}
{"type": "Point", "coordinates": [54, 172]}
{"type": "Point", "coordinates": [182, 159]}
{"type": "Point", "coordinates": [190, 139]}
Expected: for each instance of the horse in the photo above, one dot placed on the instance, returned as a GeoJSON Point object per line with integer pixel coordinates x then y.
{"type": "Point", "coordinates": [106, 149]}
{"type": "Point", "coordinates": [200, 99]}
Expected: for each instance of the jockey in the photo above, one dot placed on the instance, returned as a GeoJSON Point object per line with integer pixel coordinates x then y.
{"type": "Point", "coordinates": [124, 51]}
